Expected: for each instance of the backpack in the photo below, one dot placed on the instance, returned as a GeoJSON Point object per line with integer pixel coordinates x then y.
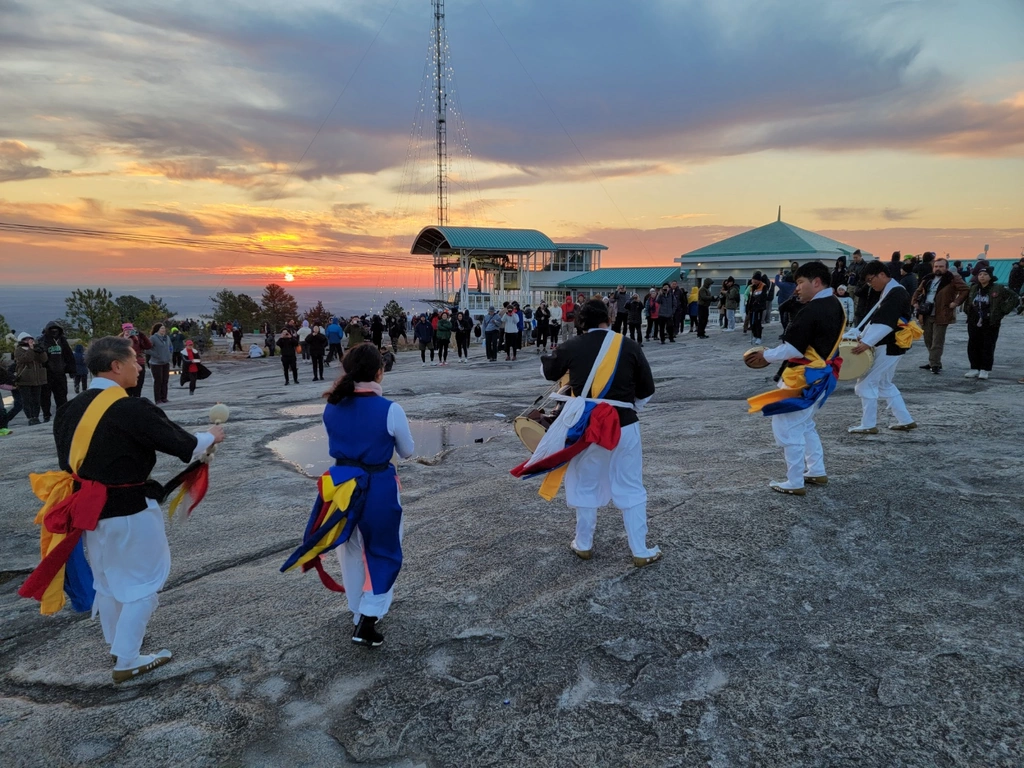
{"type": "Point", "coordinates": [476, 331]}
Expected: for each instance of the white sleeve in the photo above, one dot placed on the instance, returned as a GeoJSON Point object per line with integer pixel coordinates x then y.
{"type": "Point", "coordinates": [784, 351]}
{"type": "Point", "coordinates": [398, 428]}
{"type": "Point", "coordinates": [205, 441]}
{"type": "Point", "coordinates": [642, 403]}
{"type": "Point", "coordinates": [874, 333]}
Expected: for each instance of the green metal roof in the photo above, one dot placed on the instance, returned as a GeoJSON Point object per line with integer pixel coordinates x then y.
{"type": "Point", "coordinates": [775, 239]}
{"type": "Point", "coordinates": [581, 247]}
{"type": "Point", "coordinates": [631, 277]}
{"type": "Point", "coordinates": [432, 239]}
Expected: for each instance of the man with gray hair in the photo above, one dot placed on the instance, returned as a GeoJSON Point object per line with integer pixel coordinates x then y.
{"type": "Point", "coordinates": [107, 442]}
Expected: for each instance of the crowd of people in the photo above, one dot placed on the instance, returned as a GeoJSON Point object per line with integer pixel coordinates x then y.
{"type": "Point", "coordinates": [942, 293]}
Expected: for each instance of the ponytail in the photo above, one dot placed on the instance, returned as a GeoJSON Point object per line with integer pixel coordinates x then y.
{"type": "Point", "coordinates": [362, 363]}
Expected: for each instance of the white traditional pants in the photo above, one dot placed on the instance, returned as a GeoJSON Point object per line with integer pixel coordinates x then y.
{"type": "Point", "coordinates": [877, 383]}
{"type": "Point", "coordinates": [130, 561]}
{"type": "Point", "coordinates": [797, 435]}
{"type": "Point", "coordinates": [356, 580]}
{"type": "Point", "coordinates": [597, 477]}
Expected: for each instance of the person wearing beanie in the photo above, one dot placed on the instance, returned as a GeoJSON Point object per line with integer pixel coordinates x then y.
{"type": "Point", "coordinates": [190, 366]}
{"type": "Point", "coordinates": [30, 373]}
{"type": "Point", "coordinates": [177, 347]}
{"type": "Point", "coordinates": [606, 400]}
{"type": "Point", "coordinates": [755, 306]}
{"type": "Point", "coordinates": [987, 304]}
{"type": "Point", "coordinates": [60, 363]}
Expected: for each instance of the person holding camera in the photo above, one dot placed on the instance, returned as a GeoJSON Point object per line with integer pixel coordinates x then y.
{"type": "Point", "coordinates": [140, 343]}
{"type": "Point", "coordinates": [935, 302]}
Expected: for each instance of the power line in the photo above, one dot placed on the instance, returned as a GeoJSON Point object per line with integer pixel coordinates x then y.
{"type": "Point", "coordinates": [307, 254]}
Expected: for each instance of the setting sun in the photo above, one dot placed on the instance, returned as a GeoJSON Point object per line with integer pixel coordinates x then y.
{"type": "Point", "coordinates": [289, 277]}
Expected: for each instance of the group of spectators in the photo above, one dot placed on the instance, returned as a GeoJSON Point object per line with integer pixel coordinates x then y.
{"type": "Point", "coordinates": [37, 375]}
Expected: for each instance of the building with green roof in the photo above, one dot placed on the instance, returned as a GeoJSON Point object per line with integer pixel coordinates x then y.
{"type": "Point", "coordinates": [764, 249]}
{"type": "Point", "coordinates": [478, 267]}
{"type": "Point", "coordinates": [639, 279]}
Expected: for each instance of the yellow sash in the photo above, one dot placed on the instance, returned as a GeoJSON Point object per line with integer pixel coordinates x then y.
{"type": "Point", "coordinates": [605, 370]}
{"type": "Point", "coordinates": [793, 377]}
{"type": "Point", "coordinates": [53, 487]}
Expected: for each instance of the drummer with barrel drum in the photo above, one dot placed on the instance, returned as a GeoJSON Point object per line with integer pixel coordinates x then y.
{"type": "Point", "coordinates": [888, 331]}
{"type": "Point", "coordinates": [810, 368]}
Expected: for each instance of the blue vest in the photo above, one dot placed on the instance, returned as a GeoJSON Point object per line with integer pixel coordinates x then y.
{"type": "Point", "coordinates": [357, 429]}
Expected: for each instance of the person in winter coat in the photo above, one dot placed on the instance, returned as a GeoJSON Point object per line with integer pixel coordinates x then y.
{"type": "Point", "coordinates": [177, 347]}
{"type": "Point", "coordinates": [270, 341]}
{"type": "Point", "coordinates": [302, 334]}
{"type": "Point", "coordinates": [334, 336]}
{"type": "Point", "coordinates": [619, 316]}
{"type": "Point", "coordinates": [30, 374]}
{"type": "Point", "coordinates": [987, 304]}
{"type": "Point", "coordinates": [316, 342]}
{"type": "Point", "coordinates": [60, 363]}
{"type": "Point", "coordinates": [732, 302]}
{"type": "Point", "coordinates": [141, 344]}
{"type": "Point", "coordinates": [9, 384]}
{"type": "Point", "coordinates": [757, 299]}
{"type": "Point", "coordinates": [651, 308]}
{"type": "Point", "coordinates": [692, 306]}
{"type": "Point", "coordinates": [666, 313]}
{"type": "Point", "coordinates": [838, 273]}
{"type": "Point", "coordinates": [81, 369]}
{"type": "Point", "coordinates": [289, 343]}
{"type": "Point", "coordinates": [1016, 280]}
{"type": "Point", "coordinates": [785, 288]}
{"type": "Point", "coordinates": [935, 302]}
{"type": "Point", "coordinates": [704, 301]}
{"type": "Point", "coordinates": [463, 329]}
{"type": "Point", "coordinates": [844, 298]}
{"type": "Point", "coordinates": [355, 332]}
{"type": "Point", "coordinates": [907, 277]}
{"type": "Point", "coordinates": [492, 331]}
{"type": "Point", "coordinates": [634, 311]}
{"type": "Point", "coordinates": [568, 317]}
{"type": "Point", "coordinates": [513, 336]}
{"type": "Point", "coordinates": [377, 331]}
{"type": "Point", "coordinates": [423, 333]}
{"type": "Point", "coordinates": [543, 318]}
{"type": "Point", "coordinates": [444, 336]}
{"type": "Point", "coordinates": [160, 362]}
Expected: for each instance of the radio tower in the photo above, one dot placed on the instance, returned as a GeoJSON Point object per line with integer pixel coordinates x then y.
{"type": "Point", "coordinates": [441, 115]}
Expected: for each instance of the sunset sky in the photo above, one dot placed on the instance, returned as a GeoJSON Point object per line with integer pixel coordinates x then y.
{"type": "Point", "coordinates": [654, 127]}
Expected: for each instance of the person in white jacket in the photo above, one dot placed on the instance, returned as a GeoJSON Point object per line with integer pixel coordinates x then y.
{"type": "Point", "coordinates": [847, 302]}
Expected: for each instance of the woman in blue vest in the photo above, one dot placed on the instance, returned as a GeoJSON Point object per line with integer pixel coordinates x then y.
{"type": "Point", "coordinates": [364, 429]}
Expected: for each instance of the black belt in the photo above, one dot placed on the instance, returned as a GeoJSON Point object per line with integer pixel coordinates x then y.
{"type": "Point", "coordinates": [370, 469]}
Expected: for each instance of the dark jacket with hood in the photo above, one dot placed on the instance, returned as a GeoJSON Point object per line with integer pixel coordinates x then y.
{"type": "Point", "coordinates": [60, 360]}
{"type": "Point", "coordinates": [704, 297]}
{"type": "Point", "coordinates": [1001, 302]}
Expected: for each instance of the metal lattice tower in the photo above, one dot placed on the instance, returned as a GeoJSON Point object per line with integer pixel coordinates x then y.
{"type": "Point", "coordinates": [441, 113]}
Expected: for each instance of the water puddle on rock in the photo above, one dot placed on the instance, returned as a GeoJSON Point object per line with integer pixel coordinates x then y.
{"type": "Point", "coordinates": [307, 448]}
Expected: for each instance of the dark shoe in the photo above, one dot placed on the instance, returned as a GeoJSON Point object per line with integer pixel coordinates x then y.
{"type": "Point", "coordinates": [815, 480]}
{"type": "Point", "coordinates": [936, 371]}
{"type": "Point", "coordinates": [33, 422]}
{"type": "Point", "coordinates": [46, 417]}
{"type": "Point", "coordinates": [926, 367]}
{"type": "Point", "coordinates": [286, 382]}
{"type": "Point", "coordinates": [366, 632]}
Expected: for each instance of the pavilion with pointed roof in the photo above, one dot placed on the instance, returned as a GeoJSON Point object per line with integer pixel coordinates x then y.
{"type": "Point", "coordinates": [764, 249]}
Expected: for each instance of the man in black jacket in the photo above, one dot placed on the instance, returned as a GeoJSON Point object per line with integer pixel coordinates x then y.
{"type": "Point", "coordinates": [128, 550]}
{"type": "Point", "coordinates": [60, 363]}
{"type": "Point", "coordinates": [598, 476]}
